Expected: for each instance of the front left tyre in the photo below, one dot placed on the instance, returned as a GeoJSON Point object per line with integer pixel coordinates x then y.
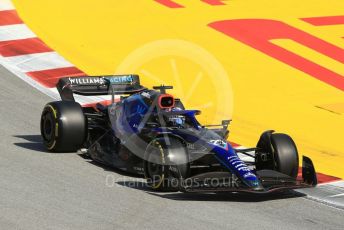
{"type": "Point", "coordinates": [166, 163]}
{"type": "Point", "coordinates": [277, 151]}
{"type": "Point", "coordinates": [63, 126]}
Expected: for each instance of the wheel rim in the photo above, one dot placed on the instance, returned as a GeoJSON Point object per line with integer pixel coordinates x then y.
{"type": "Point", "coordinates": [47, 127]}
{"type": "Point", "coordinates": [155, 167]}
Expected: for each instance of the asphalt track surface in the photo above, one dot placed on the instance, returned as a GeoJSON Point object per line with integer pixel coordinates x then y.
{"type": "Point", "coordinates": [40, 190]}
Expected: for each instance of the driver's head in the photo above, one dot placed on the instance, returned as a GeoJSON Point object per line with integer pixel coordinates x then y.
{"type": "Point", "coordinates": [177, 121]}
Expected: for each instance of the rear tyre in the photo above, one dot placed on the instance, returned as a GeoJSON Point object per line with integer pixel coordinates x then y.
{"type": "Point", "coordinates": [166, 162]}
{"type": "Point", "coordinates": [63, 126]}
{"type": "Point", "coordinates": [286, 156]}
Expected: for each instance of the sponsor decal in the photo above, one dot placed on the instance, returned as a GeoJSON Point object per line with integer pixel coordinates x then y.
{"type": "Point", "coordinates": [120, 79]}
{"type": "Point", "coordinates": [140, 110]}
{"type": "Point", "coordinates": [273, 29]}
{"type": "Point", "coordinates": [173, 169]}
{"type": "Point", "coordinates": [249, 174]}
{"type": "Point", "coordinates": [101, 80]}
{"type": "Point", "coordinates": [87, 81]}
{"type": "Point", "coordinates": [244, 169]}
{"type": "Point", "coordinates": [238, 164]}
{"type": "Point", "coordinates": [190, 146]}
{"type": "Point", "coordinates": [199, 149]}
{"type": "Point", "coordinates": [146, 94]}
{"type": "Point", "coordinates": [139, 169]}
{"type": "Point", "coordinates": [219, 143]}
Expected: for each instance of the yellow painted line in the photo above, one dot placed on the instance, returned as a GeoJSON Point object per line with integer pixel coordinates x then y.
{"type": "Point", "coordinates": [105, 37]}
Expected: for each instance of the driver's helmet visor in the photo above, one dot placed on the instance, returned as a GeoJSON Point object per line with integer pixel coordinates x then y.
{"type": "Point", "coordinates": [177, 120]}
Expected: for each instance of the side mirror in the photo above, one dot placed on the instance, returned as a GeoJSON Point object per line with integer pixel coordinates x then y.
{"type": "Point", "coordinates": [226, 123]}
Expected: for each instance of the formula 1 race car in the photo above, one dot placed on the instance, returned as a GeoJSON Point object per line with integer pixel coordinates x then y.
{"type": "Point", "coordinates": [149, 132]}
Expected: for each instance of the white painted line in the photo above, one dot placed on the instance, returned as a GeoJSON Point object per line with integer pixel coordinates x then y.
{"type": "Point", "coordinates": [15, 32]}
{"type": "Point", "coordinates": [337, 183]}
{"type": "Point", "coordinates": [38, 62]}
{"type": "Point", "coordinates": [338, 195]}
{"type": "Point", "coordinates": [331, 193]}
{"type": "Point", "coordinates": [6, 5]}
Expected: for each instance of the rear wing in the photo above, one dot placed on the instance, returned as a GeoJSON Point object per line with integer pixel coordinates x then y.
{"type": "Point", "coordinates": [98, 85]}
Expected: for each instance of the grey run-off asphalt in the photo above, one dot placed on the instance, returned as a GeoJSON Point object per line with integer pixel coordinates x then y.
{"type": "Point", "coordinates": [40, 190]}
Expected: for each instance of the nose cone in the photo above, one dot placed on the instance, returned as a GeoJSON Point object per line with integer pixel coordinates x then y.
{"type": "Point", "coordinates": [231, 160]}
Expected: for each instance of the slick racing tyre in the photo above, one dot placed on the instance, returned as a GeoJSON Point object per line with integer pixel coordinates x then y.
{"type": "Point", "coordinates": [285, 154]}
{"type": "Point", "coordinates": [63, 126]}
{"type": "Point", "coordinates": [166, 162]}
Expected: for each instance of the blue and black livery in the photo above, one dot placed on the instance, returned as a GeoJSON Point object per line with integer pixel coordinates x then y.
{"type": "Point", "coordinates": [149, 132]}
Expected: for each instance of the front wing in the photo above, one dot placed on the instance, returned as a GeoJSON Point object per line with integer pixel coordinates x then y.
{"type": "Point", "coordinates": [272, 181]}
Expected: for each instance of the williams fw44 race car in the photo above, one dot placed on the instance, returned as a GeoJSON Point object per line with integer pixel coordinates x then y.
{"type": "Point", "coordinates": [149, 132]}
